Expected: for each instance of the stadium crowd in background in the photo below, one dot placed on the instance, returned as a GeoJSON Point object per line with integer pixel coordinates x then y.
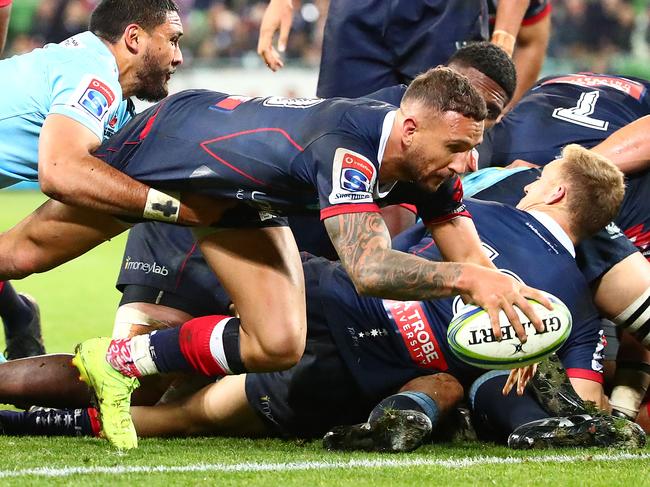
{"type": "Point", "coordinates": [595, 35]}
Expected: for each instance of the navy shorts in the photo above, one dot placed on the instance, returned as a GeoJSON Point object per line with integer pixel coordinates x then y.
{"type": "Point", "coordinates": [163, 265]}
{"type": "Point", "coordinates": [372, 44]}
{"type": "Point", "coordinates": [318, 392]}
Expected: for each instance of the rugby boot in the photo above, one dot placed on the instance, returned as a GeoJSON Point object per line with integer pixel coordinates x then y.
{"type": "Point", "coordinates": [29, 342]}
{"type": "Point", "coordinates": [553, 390]}
{"type": "Point", "coordinates": [581, 430]}
{"type": "Point", "coordinates": [397, 430]}
{"type": "Point", "coordinates": [112, 392]}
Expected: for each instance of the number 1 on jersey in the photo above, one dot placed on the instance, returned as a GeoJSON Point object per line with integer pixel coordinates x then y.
{"type": "Point", "coordinates": [580, 113]}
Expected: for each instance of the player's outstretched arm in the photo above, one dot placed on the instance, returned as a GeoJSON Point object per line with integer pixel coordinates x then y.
{"type": "Point", "coordinates": [629, 146]}
{"type": "Point", "coordinates": [68, 172]}
{"type": "Point", "coordinates": [363, 244]}
{"type": "Point", "coordinates": [278, 16]}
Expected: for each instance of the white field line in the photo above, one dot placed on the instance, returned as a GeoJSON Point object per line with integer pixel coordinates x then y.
{"type": "Point", "coordinates": [283, 467]}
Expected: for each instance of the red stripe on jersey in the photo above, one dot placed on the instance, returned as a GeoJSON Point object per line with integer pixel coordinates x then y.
{"type": "Point", "coordinates": [147, 127]}
{"type": "Point", "coordinates": [409, 207]}
{"type": "Point", "coordinates": [349, 208]}
{"type": "Point", "coordinates": [585, 374]}
{"type": "Point", "coordinates": [446, 218]}
{"type": "Point", "coordinates": [5, 3]}
{"type": "Point", "coordinates": [538, 16]}
{"type": "Point", "coordinates": [205, 143]}
{"type": "Point", "coordinates": [182, 267]}
{"type": "Point", "coordinates": [2, 286]}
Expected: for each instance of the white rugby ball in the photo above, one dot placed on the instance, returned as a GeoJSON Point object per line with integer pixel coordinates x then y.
{"type": "Point", "coordinates": [471, 338]}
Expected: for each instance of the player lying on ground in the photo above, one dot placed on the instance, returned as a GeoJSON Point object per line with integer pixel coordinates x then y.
{"type": "Point", "coordinates": [360, 350]}
{"type": "Point", "coordinates": [612, 114]}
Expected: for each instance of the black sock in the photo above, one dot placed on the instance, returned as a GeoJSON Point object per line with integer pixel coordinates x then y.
{"type": "Point", "coordinates": [50, 422]}
{"type": "Point", "coordinates": [15, 311]}
{"type": "Point", "coordinates": [231, 347]}
{"type": "Point", "coordinates": [413, 400]}
{"type": "Point", "coordinates": [495, 415]}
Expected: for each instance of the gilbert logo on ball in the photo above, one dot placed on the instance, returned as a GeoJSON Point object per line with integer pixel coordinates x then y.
{"type": "Point", "coordinates": [472, 339]}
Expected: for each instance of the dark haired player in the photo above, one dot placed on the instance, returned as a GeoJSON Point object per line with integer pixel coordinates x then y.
{"type": "Point", "coordinates": [262, 157]}
{"type": "Point", "coordinates": [60, 103]}
{"type": "Point", "coordinates": [362, 349]}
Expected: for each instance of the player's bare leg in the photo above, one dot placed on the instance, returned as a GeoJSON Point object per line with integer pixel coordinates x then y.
{"type": "Point", "coordinates": [53, 234]}
{"type": "Point", "coordinates": [218, 409]}
{"type": "Point", "coordinates": [261, 271]}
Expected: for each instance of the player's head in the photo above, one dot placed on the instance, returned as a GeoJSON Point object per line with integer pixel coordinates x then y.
{"type": "Point", "coordinates": [144, 37]}
{"type": "Point", "coordinates": [439, 121]}
{"type": "Point", "coordinates": [587, 187]}
{"type": "Point", "coordinates": [491, 72]}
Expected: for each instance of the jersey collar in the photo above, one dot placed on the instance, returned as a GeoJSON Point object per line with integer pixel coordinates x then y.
{"type": "Point", "coordinates": [386, 128]}
{"type": "Point", "coordinates": [555, 229]}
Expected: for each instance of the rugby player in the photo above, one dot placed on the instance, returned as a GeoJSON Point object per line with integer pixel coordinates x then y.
{"type": "Point", "coordinates": [609, 113]}
{"type": "Point", "coordinates": [261, 157]}
{"type": "Point", "coordinates": [361, 350]}
{"type": "Point", "coordinates": [59, 103]}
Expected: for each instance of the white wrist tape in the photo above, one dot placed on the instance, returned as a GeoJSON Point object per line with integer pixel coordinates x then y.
{"type": "Point", "coordinates": [163, 207]}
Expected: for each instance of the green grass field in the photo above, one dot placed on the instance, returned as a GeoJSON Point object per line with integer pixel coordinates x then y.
{"type": "Point", "coordinates": [78, 301]}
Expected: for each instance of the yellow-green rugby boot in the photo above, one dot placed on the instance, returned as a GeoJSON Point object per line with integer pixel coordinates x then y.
{"type": "Point", "coordinates": [112, 391]}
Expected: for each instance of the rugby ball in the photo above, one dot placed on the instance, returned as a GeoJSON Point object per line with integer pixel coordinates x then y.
{"type": "Point", "coordinates": [471, 338]}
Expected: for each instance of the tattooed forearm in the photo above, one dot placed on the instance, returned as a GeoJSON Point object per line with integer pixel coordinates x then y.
{"type": "Point", "coordinates": [363, 244]}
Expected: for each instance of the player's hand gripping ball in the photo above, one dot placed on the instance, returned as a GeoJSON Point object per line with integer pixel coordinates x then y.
{"type": "Point", "coordinates": [471, 338]}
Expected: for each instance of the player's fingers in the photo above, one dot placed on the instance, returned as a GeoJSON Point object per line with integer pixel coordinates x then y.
{"type": "Point", "coordinates": [493, 313]}
{"type": "Point", "coordinates": [537, 295]}
{"type": "Point", "coordinates": [285, 28]}
{"type": "Point", "coordinates": [514, 320]}
{"type": "Point", "coordinates": [526, 308]}
{"type": "Point", "coordinates": [510, 382]}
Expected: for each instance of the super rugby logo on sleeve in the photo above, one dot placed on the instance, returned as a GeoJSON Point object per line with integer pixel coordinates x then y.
{"type": "Point", "coordinates": [96, 98]}
{"type": "Point", "coordinates": [353, 177]}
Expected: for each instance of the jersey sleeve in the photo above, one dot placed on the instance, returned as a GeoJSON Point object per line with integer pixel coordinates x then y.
{"type": "Point", "coordinates": [85, 96]}
{"type": "Point", "coordinates": [439, 206]}
{"type": "Point", "coordinates": [346, 174]}
{"type": "Point", "coordinates": [538, 10]}
{"type": "Point", "coordinates": [582, 354]}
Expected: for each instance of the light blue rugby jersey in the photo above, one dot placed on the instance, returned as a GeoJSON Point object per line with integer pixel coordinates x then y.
{"type": "Point", "coordinates": [78, 78]}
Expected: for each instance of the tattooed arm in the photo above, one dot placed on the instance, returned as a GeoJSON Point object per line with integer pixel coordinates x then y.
{"type": "Point", "coordinates": [363, 244]}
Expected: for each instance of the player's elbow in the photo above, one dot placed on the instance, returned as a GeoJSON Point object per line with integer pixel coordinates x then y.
{"type": "Point", "coordinates": [366, 280]}
{"type": "Point", "coordinates": [51, 179]}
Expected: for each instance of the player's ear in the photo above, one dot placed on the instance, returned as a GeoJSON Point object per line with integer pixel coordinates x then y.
{"type": "Point", "coordinates": [409, 127]}
{"type": "Point", "coordinates": [557, 195]}
{"type": "Point", "coordinates": [133, 38]}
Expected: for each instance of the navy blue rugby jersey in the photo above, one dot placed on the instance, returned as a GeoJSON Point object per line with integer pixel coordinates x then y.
{"type": "Point", "coordinates": [279, 155]}
{"type": "Point", "coordinates": [582, 109]}
{"type": "Point", "coordinates": [386, 343]}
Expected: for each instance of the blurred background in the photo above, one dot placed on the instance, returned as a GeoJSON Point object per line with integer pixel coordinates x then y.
{"type": "Point", "coordinates": [587, 35]}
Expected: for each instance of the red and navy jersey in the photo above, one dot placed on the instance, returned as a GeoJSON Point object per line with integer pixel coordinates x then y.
{"type": "Point", "coordinates": [277, 155]}
{"type": "Point", "coordinates": [582, 109]}
{"type": "Point", "coordinates": [386, 343]}
{"type": "Point", "coordinates": [537, 10]}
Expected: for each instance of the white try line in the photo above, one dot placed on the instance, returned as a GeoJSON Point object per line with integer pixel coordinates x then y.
{"type": "Point", "coordinates": [283, 467]}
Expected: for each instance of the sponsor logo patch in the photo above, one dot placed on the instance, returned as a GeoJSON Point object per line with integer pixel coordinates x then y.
{"type": "Point", "coordinates": [415, 330]}
{"type": "Point", "coordinates": [97, 98]}
{"type": "Point", "coordinates": [282, 102]}
{"type": "Point", "coordinates": [146, 267]}
{"type": "Point", "coordinates": [353, 178]}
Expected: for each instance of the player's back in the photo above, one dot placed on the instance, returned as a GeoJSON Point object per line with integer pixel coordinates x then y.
{"type": "Point", "coordinates": [215, 141]}
{"type": "Point", "coordinates": [576, 108]}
